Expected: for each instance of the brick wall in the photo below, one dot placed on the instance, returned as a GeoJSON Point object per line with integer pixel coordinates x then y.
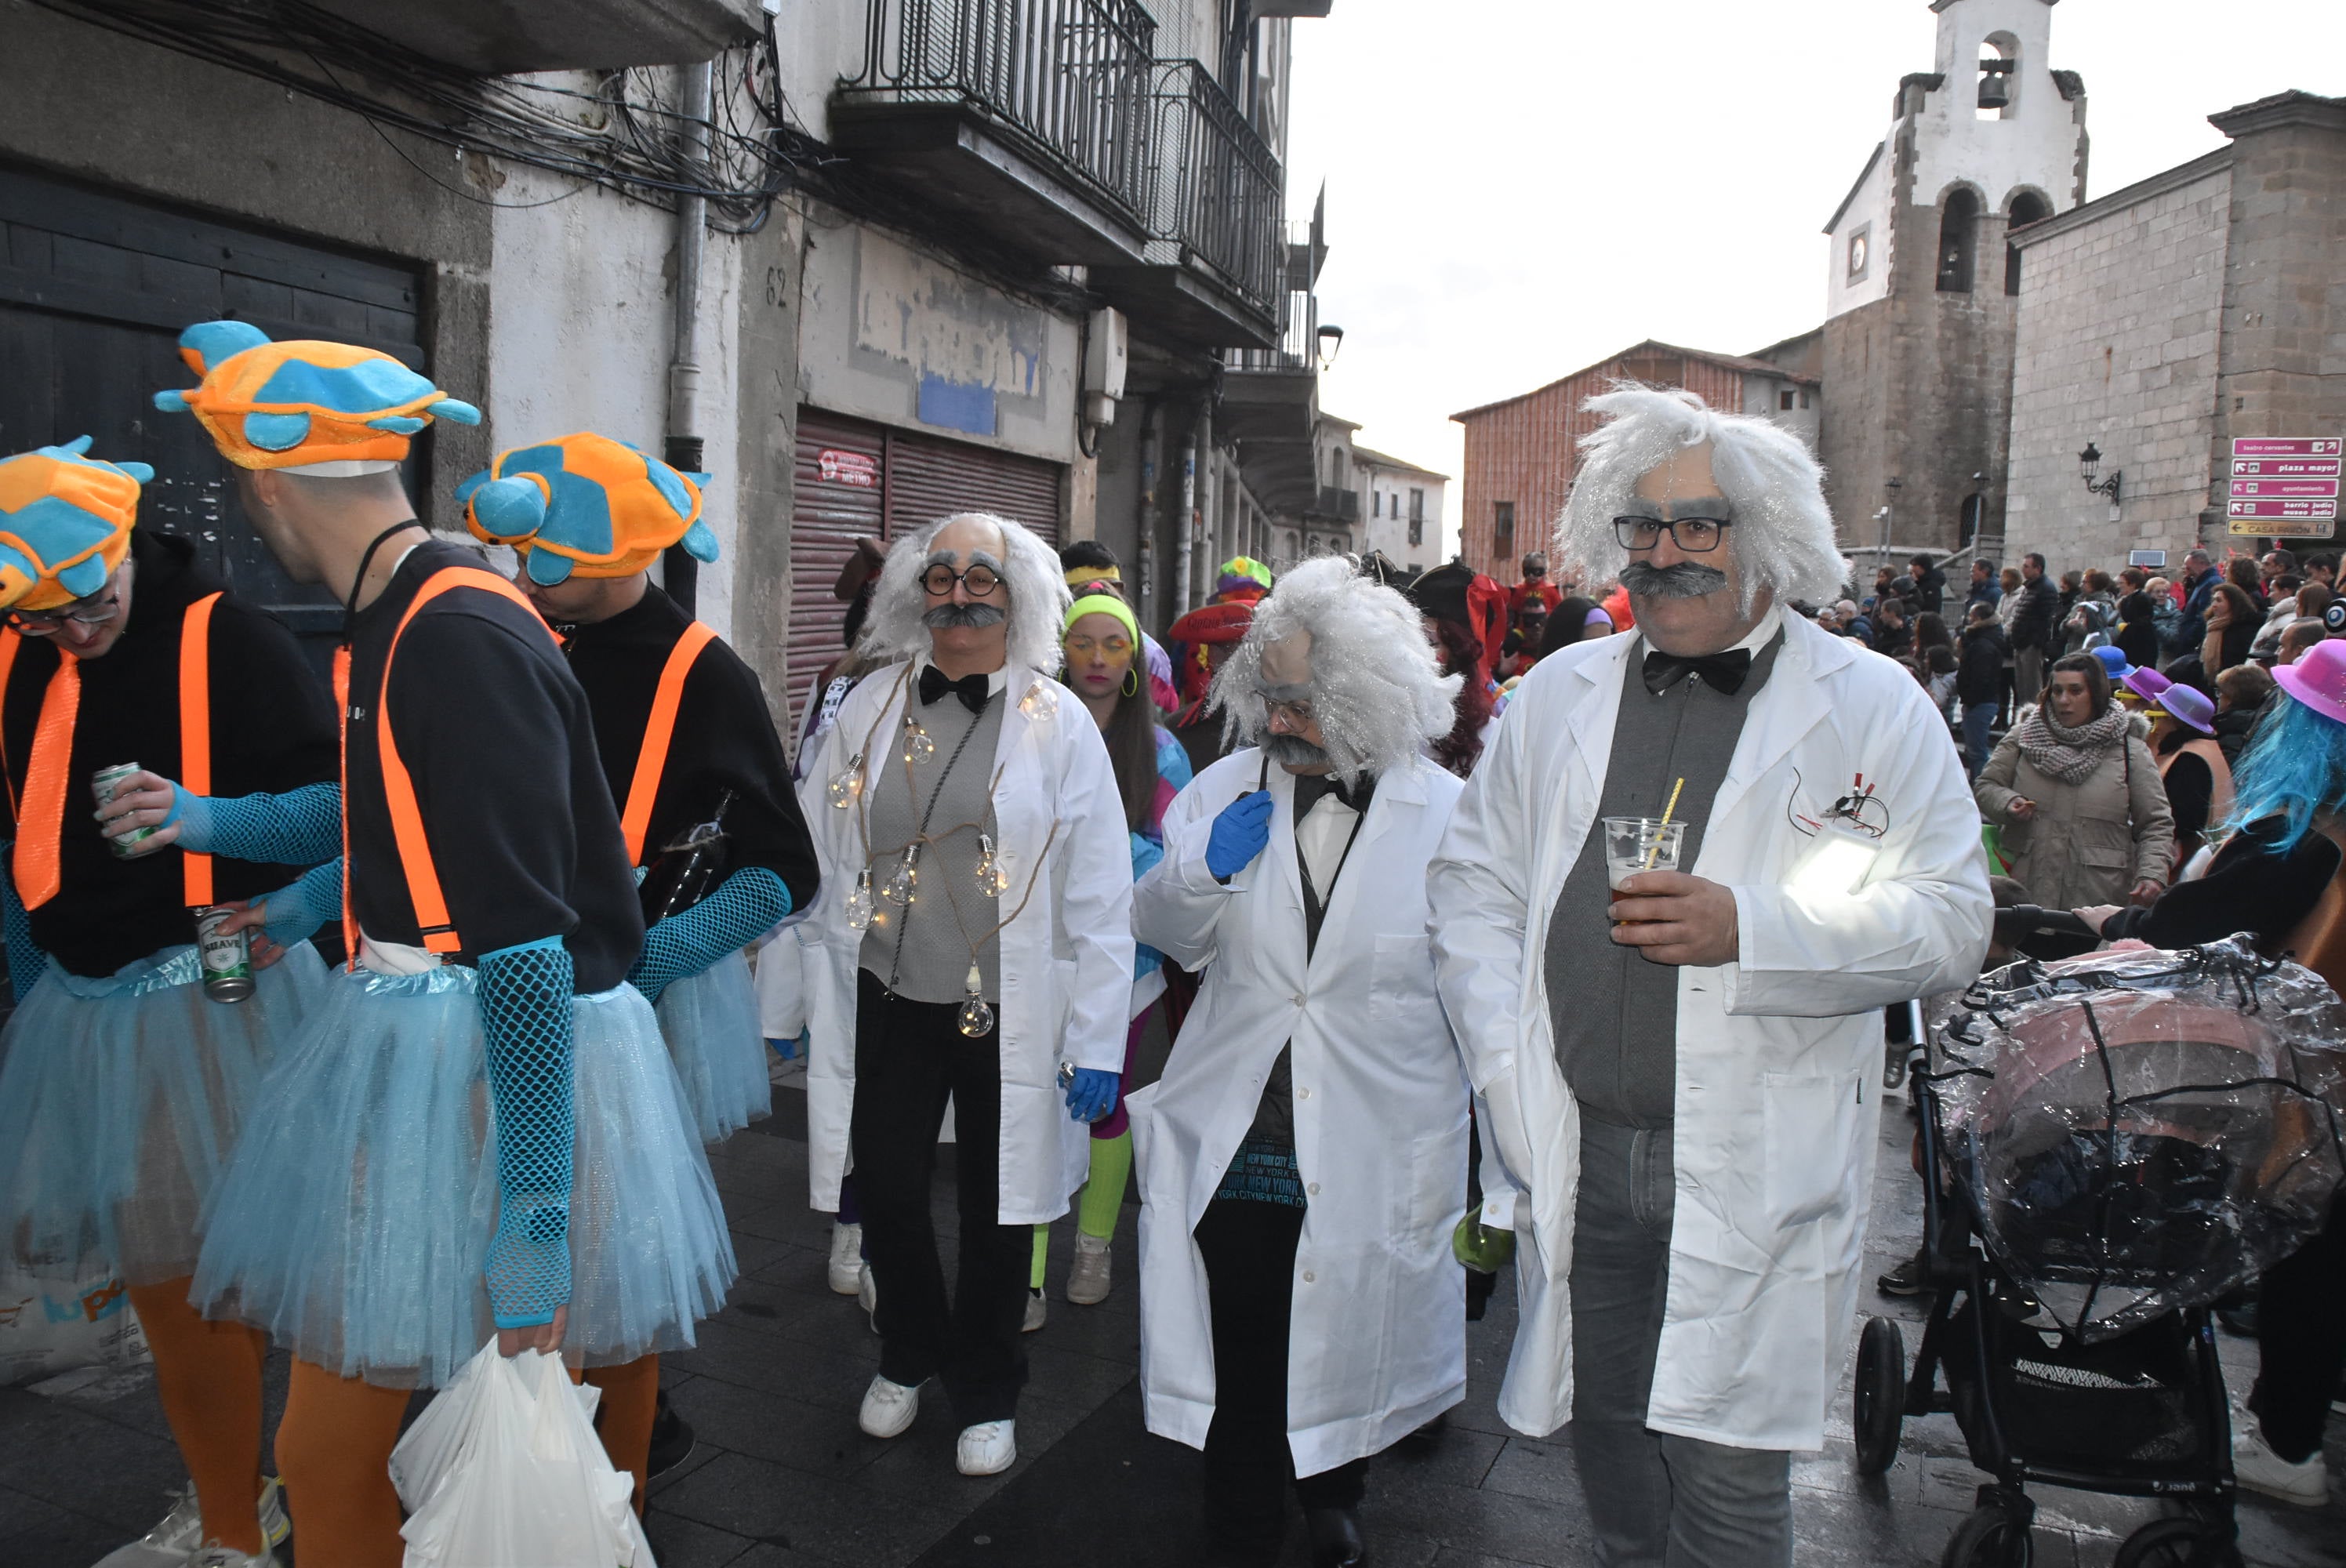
{"type": "Point", "coordinates": [2118, 344]}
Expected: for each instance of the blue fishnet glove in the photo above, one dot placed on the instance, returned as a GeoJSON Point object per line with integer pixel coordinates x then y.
{"type": "Point", "coordinates": [298, 827]}
{"type": "Point", "coordinates": [26, 961]}
{"type": "Point", "coordinates": [297, 909]}
{"type": "Point", "coordinates": [745, 906]}
{"type": "Point", "coordinates": [525, 995]}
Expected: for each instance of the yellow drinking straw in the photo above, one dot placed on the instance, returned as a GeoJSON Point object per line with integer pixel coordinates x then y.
{"type": "Point", "coordinates": [1653, 850]}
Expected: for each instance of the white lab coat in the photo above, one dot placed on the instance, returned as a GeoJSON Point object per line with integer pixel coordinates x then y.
{"type": "Point", "coordinates": [1067, 958]}
{"type": "Point", "coordinates": [1378, 1342]}
{"type": "Point", "coordinates": [1775, 1121]}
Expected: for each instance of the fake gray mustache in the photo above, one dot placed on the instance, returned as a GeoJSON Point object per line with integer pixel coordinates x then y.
{"type": "Point", "coordinates": [941, 616]}
{"type": "Point", "coordinates": [1294, 751]}
{"type": "Point", "coordinates": [1679, 580]}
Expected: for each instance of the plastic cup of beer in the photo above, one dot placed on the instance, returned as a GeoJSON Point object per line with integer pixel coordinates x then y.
{"type": "Point", "coordinates": [1635, 844]}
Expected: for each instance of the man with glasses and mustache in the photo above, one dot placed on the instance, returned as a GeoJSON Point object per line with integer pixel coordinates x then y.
{"type": "Point", "coordinates": [973, 943]}
{"type": "Point", "coordinates": [124, 1088]}
{"type": "Point", "coordinates": [1676, 1061]}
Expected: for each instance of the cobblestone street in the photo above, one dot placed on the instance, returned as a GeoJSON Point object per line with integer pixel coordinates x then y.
{"type": "Point", "coordinates": [782, 1478]}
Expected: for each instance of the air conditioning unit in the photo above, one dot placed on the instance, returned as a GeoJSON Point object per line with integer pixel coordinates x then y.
{"type": "Point", "coordinates": [1106, 348]}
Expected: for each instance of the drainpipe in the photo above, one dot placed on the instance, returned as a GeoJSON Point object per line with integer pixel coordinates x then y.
{"type": "Point", "coordinates": [1146, 551]}
{"type": "Point", "coordinates": [1185, 539]}
{"type": "Point", "coordinates": [683, 448]}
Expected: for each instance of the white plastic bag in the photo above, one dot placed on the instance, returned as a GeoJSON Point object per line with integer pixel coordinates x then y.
{"type": "Point", "coordinates": [48, 1326]}
{"type": "Point", "coordinates": [503, 1471]}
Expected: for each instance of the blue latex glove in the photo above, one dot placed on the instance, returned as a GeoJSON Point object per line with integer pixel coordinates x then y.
{"type": "Point", "coordinates": [789, 1050]}
{"type": "Point", "coordinates": [1092, 1096]}
{"type": "Point", "coordinates": [1239, 835]}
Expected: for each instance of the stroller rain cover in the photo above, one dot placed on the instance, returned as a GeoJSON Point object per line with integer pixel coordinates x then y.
{"type": "Point", "coordinates": [2136, 1132]}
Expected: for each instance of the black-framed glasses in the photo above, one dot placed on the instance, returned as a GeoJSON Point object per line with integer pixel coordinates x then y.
{"type": "Point", "coordinates": [47, 623]}
{"type": "Point", "coordinates": [980, 580]}
{"type": "Point", "coordinates": [1695, 535]}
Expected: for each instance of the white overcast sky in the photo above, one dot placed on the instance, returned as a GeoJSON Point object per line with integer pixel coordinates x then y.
{"type": "Point", "coordinates": [1519, 188]}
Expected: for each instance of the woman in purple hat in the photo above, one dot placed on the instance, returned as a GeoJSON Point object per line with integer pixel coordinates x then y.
{"type": "Point", "coordinates": [2279, 876]}
{"type": "Point", "coordinates": [2191, 764]}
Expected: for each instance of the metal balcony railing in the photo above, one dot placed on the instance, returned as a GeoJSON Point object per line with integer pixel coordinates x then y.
{"type": "Point", "coordinates": [1299, 323]}
{"type": "Point", "coordinates": [1072, 80]}
{"type": "Point", "coordinates": [1218, 196]}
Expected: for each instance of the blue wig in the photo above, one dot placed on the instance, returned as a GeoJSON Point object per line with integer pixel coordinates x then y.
{"type": "Point", "coordinates": [2294, 768]}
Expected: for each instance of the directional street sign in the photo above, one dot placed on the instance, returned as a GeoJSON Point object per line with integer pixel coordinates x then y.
{"type": "Point", "coordinates": [2285, 486]}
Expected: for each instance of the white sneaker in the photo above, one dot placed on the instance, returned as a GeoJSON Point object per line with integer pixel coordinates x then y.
{"type": "Point", "coordinates": [846, 1258]}
{"type": "Point", "coordinates": [887, 1408]}
{"type": "Point", "coordinates": [171, 1542]}
{"type": "Point", "coordinates": [1087, 1281]}
{"type": "Point", "coordinates": [2258, 1468]}
{"type": "Point", "coordinates": [987, 1449]}
{"type": "Point", "coordinates": [1037, 1309]}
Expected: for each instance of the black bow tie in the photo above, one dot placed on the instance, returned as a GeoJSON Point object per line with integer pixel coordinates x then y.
{"type": "Point", "coordinates": [1310, 787]}
{"type": "Point", "coordinates": [971, 689]}
{"type": "Point", "coordinates": [1724, 672]}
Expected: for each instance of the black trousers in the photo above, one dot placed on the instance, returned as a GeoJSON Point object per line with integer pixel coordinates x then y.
{"type": "Point", "coordinates": [911, 1058]}
{"type": "Point", "coordinates": [1249, 1250]}
{"type": "Point", "coordinates": [2302, 1340]}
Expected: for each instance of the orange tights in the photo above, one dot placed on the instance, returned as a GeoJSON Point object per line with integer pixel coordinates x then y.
{"type": "Point", "coordinates": [209, 1375]}
{"type": "Point", "coordinates": [334, 1448]}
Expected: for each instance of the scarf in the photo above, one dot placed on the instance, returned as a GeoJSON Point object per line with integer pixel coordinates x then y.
{"type": "Point", "coordinates": [2064, 754]}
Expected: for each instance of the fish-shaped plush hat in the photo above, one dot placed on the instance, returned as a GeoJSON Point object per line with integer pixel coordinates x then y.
{"type": "Point", "coordinates": [332, 409]}
{"type": "Point", "coordinates": [586, 505]}
{"type": "Point", "coordinates": [65, 524]}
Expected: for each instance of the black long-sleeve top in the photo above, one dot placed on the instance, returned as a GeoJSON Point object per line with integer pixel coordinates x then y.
{"type": "Point", "coordinates": [2247, 887]}
{"type": "Point", "coordinates": [272, 729]}
{"type": "Point", "coordinates": [724, 739]}
{"type": "Point", "coordinates": [498, 740]}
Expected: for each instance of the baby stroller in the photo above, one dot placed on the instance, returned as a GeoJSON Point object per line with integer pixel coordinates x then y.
{"type": "Point", "coordinates": [2109, 1143]}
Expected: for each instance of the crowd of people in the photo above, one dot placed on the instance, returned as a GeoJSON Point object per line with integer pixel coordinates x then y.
{"type": "Point", "coordinates": [1370, 880]}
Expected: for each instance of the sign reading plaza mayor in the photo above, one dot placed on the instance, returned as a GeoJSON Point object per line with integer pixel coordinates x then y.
{"type": "Point", "coordinates": [2285, 486]}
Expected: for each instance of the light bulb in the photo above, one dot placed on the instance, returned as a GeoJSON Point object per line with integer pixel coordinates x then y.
{"type": "Point", "coordinates": [903, 877]}
{"type": "Point", "coordinates": [918, 747]}
{"type": "Point", "coordinates": [859, 903]}
{"type": "Point", "coordinates": [975, 1018]}
{"type": "Point", "coordinates": [847, 783]}
{"type": "Point", "coordinates": [1040, 704]}
{"type": "Point", "coordinates": [990, 879]}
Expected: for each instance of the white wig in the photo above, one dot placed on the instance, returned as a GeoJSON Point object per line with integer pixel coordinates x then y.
{"type": "Point", "coordinates": [1783, 533]}
{"type": "Point", "coordinates": [1039, 598]}
{"type": "Point", "coordinates": [1377, 691]}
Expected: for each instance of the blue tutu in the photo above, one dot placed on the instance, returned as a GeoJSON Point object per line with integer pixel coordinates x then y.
{"type": "Point", "coordinates": [712, 1028]}
{"type": "Point", "coordinates": [119, 1105]}
{"type": "Point", "coordinates": [354, 1220]}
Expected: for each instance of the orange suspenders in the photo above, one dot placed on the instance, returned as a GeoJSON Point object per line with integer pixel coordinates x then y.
{"type": "Point", "coordinates": [422, 877]}
{"type": "Point", "coordinates": [651, 760]}
{"type": "Point", "coordinates": [195, 748]}
{"type": "Point", "coordinates": [196, 734]}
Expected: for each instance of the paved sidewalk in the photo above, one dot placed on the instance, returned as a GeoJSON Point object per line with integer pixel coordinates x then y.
{"type": "Point", "coordinates": [783, 1479]}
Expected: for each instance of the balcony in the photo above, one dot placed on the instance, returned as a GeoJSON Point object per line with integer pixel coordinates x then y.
{"type": "Point", "coordinates": [1028, 118]}
{"type": "Point", "coordinates": [1214, 266]}
{"type": "Point", "coordinates": [1337, 505]}
{"type": "Point", "coordinates": [502, 37]}
{"type": "Point", "coordinates": [1274, 394]}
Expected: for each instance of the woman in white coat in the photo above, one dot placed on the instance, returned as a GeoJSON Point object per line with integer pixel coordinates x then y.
{"type": "Point", "coordinates": [1303, 1158]}
{"type": "Point", "coordinates": [973, 944]}
{"type": "Point", "coordinates": [1702, 1171]}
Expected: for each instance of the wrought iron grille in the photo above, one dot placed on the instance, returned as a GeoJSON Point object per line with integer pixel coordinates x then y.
{"type": "Point", "coordinates": [1298, 320]}
{"type": "Point", "coordinates": [1070, 78]}
{"type": "Point", "coordinates": [1219, 196]}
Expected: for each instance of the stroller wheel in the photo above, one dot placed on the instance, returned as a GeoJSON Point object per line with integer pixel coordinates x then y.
{"type": "Point", "coordinates": [2178, 1543]}
{"type": "Point", "coordinates": [1993, 1536]}
{"type": "Point", "coordinates": [1881, 1395]}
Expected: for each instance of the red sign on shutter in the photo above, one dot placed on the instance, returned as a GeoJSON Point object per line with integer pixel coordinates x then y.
{"type": "Point", "coordinates": [856, 468]}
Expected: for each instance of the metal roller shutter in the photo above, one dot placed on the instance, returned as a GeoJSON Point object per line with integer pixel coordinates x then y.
{"type": "Point", "coordinates": [856, 479]}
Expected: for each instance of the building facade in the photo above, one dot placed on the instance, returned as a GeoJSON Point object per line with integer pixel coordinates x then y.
{"type": "Point", "coordinates": [1920, 282]}
{"type": "Point", "coordinates": [1523, 452]}
{"type": "Point", "coordinates": [2161, 321]}
{"type": "Point", "coordinates": [1405, 514]}
{"type": "Point", "coordinates": [865, 261]}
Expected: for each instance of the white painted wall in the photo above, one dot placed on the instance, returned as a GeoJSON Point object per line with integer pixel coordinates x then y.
{"type": "Point", "coordinates": [819, 42]}
{"type": "Point", "coordinates": [881, 318]}
{"type": "Point", "coordinates": [580, 335]}
{"type": "Point", "coordinates": [1386, 524]}
{"type": "Point", "coordinates": [1763, 398]}
{"type": "Point", "coordinates": [1867, 215]}
{"type": "Point", "coordinates": [2033, 146]}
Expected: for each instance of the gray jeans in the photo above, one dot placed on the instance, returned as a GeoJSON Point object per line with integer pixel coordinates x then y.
{"type": "Point", "coordinates": [1657, 1501]}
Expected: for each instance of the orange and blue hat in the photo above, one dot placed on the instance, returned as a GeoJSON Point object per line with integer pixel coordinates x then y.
{"type": "Point", "coordinates": [332, 409]}
{"type": "Point", "coordinates": [587, 505]}
{"type": "Point", "coordinates": [65, 524]}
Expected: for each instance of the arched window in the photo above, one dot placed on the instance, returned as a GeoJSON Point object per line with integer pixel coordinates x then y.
{"type": "Point", "coordinates": [2026, 208]}
{"type": "Point", "coordinates": [1958, 226]}
{"type": "Point", "coordinates": [1999, 81]}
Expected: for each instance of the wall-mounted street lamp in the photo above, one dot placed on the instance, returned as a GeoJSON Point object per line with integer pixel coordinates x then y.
{"type": "Point", "coordinates": [2089, 464]}
{"type": "Point", "coordinates": [1331, 341]}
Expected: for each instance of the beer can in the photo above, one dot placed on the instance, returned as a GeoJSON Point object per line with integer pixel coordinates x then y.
{"type": "Point", "coordinates": [102, 784]}
{"type": "Point", "coordinates": [227, 956]}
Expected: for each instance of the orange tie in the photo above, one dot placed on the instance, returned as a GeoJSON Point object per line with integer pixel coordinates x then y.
{"type": "Point", "coordinates": [46, 779]}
